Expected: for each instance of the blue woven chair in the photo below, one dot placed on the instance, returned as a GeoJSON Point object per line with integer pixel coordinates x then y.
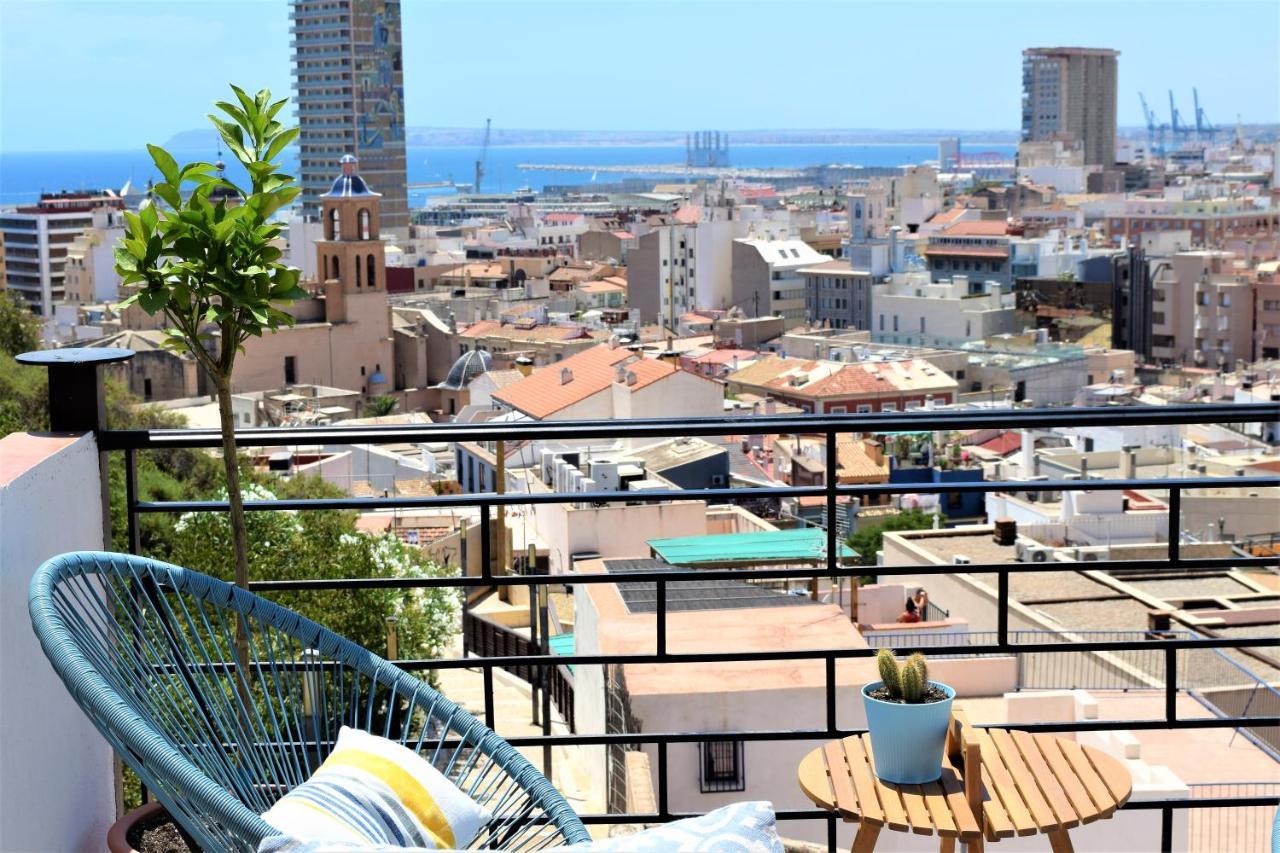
{"type": "Point", "coordinates": [147, 650]}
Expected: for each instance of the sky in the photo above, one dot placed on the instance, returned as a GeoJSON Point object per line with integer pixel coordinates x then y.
{"type": "Point", "coordinates": [105, 75]}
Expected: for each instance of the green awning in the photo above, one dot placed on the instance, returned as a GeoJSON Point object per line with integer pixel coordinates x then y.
{"type": "Point", "coordinates": [761, 548]}
{"type": "Point", "coordinates": [562, 644]}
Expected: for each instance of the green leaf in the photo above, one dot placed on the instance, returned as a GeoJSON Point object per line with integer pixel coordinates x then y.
{"type": "Point", "coordinates": [147, 213]}
{"type": "Point", "coordinates": [235, 112]}
{"type": "Point", "coordinates": [164, 162]}
{"type": "Point", "coordinates": [168, 194]}
{"type": "Point", "coordinates": [250, 106]}
{"type": "Point", "coordinates": [153, 299]}
{"type": "Point", "coordinates": [280, 141]}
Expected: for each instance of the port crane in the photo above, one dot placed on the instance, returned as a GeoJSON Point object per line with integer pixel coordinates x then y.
{"type": "Point", "coordinates": [1203, 126]}
{"type": "Point", "coordinates": [1155, 130]}
{"type": "Point", "coordinates": [483, 160]}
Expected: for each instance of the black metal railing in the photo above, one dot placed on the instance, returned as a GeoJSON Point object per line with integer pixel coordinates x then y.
{"type": "Point", "coordinates": [131, 442]}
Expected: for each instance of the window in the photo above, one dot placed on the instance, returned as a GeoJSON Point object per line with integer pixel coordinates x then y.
{"type": "Point", "coordinates": [721, 766]}
{"type": "Point", "coordinates": [895, 322]}
{"type": "Point", "coordinates": [364, 223]}
{"type": "Point", "coordinates": [146, 389]}
{"type": "Point", "coordinates": [888, 407]}
{"type": "Point", "coordinates": [335, 223]}
{"type": "Point", "coordinates": [864, 408]}
{"type": "Point", "coordinates": [336, 273]}
{"type": "Point", "coordinates": [290, 370]}
{"type": "Point", "coordinates": [370, 268]}
{"type": "Point", "coordinates": [357, 270]}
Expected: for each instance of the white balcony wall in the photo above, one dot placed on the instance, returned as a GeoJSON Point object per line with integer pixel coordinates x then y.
{"type": "Point", "coordinates": [56, 779]}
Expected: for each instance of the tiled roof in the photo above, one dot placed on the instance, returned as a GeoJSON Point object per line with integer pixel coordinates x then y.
{"type": "Point", "coordinates": [1003, 445]}
{"type": "Point", "coordinates": [605, 286]}
{"type": "Point", "coordinates": [977, 228]}
{"type": "Point", "coordinates": [948, 216]}
{"type": "Point", "coordinates": [591, 371]}
{"type": "Point", "coordinates": [966, 251]}
{"type": "Point", "coordinates": [854, 462]}
{"type": "Point", "coordinates": [493, 328]}
{"type": "Point", "coordinates": [820, 379]}
{"type": "Point", "coordinates": [561, 218]}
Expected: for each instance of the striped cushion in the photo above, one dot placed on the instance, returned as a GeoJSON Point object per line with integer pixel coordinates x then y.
{"type": "Point", "coordinates": [372, 791]}
{"type": "Point", "coordinates": [739, 828]}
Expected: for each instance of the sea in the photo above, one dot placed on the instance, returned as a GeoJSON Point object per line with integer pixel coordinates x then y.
{"type": "Point", "coordinates": [25, 175]}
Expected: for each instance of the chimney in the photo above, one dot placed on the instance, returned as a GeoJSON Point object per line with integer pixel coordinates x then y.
{"type": "Point", "coordinates": [621, 373]}
{"type": "Point", "coordinates": [630, 377]}
{"type": "Point", "coordinates": [1030, 464]}
{"type": "Point", "coordinates": [524, 364]}
{"type": "Point", "coordinates": [876, 451]}
{"type": "Point", "coordinates": [1128, 462]}
{"type": "Point", "coordinates": [1084, 467]}
{"type": "Point", "coordinates": [1005, 531]}
{"type": "Point", "coordinates": [566, 376]}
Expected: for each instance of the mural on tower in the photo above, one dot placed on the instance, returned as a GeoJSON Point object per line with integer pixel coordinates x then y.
{"type": "Point", "coordinates": [379, 76]}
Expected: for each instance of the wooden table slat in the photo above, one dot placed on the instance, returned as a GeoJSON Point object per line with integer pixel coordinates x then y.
{"type": "Point", "coordinates": [935, 800]}
{"type": "Point", "coordinates": [1103, 802]}
{"type": "Point", "coordinates": [1003, 790]}
{"type": "Point", "coordinates": [1067, 777]}
{"type": "Point", "coordinates": [891, 797]}
{"type": "Point", "coordinates": [814, 779]}
{"type": "Point", "coordinates": [846, 800]}
{"type": "Point", "coordinates": [863, 780]}
{"type": "Point", "coordinates": [1064, 812]}
{"type": "Point", "coordinates": [952, 785]}
{"type": "Point", "coordinates": [1118, 781]}
{"type": "Point", "coordinates": [917, 812]}
{"type": "Point", "coordinates": [1035, 801]}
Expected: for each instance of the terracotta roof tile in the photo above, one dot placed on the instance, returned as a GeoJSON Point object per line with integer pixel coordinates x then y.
{"type": "Point", "coordinates": [977, 228]}
{"type": "Point", "coordinates": [591, 371]}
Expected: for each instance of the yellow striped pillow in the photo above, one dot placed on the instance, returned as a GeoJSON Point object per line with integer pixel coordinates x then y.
{"type": "Point", "coordinates": [374, 791]}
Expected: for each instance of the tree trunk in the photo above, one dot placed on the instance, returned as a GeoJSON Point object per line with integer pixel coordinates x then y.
{"type": "Point", "coordinates": [231, 463]}
{"type": "Point", "coordinates": [239, 534]}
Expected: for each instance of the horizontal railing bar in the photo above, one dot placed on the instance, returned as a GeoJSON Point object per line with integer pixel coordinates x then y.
{"type": "Point", "coordinates": [477, 499]}
{"type": "Point", "coordinates": [822, 814]}
{"type": "Point", "coordinates": [747, 574]}
{"type": "Point", "coordinates": [838, 653]}
{"type": "Point", "coordinates": [766, 735]}
{"type": "Point", "coordinates": [829, 653]}
{"type": "Point", "coordinates": [916, 421]}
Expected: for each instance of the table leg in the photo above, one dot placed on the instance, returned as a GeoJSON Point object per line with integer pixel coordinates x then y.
{"type": "Point", "coordinates": [947, 845]}
{"type": "Point", "coordinates": [974, 846]}
{"type": "Point", "coordinates": [865, 840]}
{"type": "Point", "coordinates": [1060, 843]}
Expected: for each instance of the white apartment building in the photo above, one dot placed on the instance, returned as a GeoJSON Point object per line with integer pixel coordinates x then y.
{"type": "Point", "coordinates": [90, 272]}
{"type": "Point", "coordinates": [767, 278]}
{"type": "Point", "coordinates": [908, 308]}
{"type": "Point", "coordinates": [36, 240]}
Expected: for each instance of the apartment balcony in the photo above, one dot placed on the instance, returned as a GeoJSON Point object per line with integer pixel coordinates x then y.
{"type": "Point", "coordinates": [1149, 686]}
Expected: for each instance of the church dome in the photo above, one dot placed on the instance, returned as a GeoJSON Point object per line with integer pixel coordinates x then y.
{"type": "Point", "coordinates": [468, 366]}
{"type": "Point", "coordinates": [349, 183]}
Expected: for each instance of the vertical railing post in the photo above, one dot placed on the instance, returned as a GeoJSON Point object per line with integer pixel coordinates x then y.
{"type": "Point", "coordinates": [78, 401]}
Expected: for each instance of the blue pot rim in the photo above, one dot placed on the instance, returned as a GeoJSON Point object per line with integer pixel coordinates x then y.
{"type": "Point", "coordinates": [950, 691]}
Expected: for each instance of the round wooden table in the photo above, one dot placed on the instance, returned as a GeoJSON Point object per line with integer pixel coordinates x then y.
{"type": "Point", "coordinates": [1034, 783]}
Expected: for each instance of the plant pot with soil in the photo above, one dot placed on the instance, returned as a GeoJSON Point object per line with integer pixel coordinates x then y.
{"type": "Point", "coordinates": [148, 829]}
{"type": "Point", "coordinates": [907, 715]}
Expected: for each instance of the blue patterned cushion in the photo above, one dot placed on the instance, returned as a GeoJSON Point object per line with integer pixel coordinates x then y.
{"type": "Point", "coordinates": [739, 828]}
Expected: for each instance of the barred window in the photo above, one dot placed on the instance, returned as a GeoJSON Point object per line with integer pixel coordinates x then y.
{"type": "Point", "coordinates": [721, 767]}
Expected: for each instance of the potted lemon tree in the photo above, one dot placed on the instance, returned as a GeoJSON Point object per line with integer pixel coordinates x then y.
{"type": "Point", "coordinates": [907, 715]}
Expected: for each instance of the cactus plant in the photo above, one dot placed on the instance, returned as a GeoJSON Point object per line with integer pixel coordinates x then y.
{"type": "Point", "coordinates": [888, 665]}
{"type": "Point", "coordinates": [906, 683]}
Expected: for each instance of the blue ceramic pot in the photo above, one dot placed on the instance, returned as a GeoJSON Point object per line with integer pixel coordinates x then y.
{"type": "Point", "coordinates": [908, 739]}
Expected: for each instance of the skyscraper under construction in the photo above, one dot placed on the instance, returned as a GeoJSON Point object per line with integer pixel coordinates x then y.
{"type": "Point", "coordinates": [349, 78]}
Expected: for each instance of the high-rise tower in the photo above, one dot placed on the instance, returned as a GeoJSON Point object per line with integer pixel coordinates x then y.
{"type": "Point", "coordinates": [1070, 93]}
{"type": "Point", "coordinates": [349, 78]}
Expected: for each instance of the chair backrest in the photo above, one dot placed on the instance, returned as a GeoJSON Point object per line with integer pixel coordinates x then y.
{"type": "Point", "coordinates": [222, 701]}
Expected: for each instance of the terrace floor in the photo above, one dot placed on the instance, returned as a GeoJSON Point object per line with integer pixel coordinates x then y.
{"type": "Point", "coordinates": [512, 718]}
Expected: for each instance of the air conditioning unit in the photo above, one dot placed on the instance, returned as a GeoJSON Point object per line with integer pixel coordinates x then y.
{"type": "Point", "coordinates": [1030, 553]}
{"type": "Point", "coordinates": [719, 481]}
{"type": "Point", "coordinates": [1091, 556]}
{"type": "Point", "coordinates": [960, 560]}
